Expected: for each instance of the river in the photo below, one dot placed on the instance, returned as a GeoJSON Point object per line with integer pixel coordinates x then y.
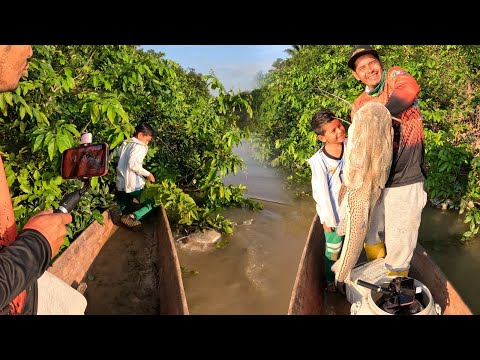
{"type": "Point", "coordinates": [254, 274]}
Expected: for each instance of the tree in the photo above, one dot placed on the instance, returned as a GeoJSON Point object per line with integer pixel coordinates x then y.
{"type": "Point", "coordinates": [295, 49]}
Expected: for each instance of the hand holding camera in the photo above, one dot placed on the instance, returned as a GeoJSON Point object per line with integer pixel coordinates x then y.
{"type": "Point", "coordinates": [83, 163]}
{"type": "Point", "coordinates": [51, 226]}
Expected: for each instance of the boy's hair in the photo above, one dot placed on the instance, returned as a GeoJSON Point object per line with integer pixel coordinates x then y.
{"type": "Point", "coordinates": [320, 119]}
{"type": "Point", "coordinates": [143, 128]}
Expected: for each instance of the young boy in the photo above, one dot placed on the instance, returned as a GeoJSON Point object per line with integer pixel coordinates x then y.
{"type": "Point", "coordinates": [130, 175]}
{"type": "Point", "coordinates": [327, 169]}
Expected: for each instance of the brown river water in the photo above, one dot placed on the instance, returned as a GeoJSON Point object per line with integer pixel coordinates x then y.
{"type": "Point", "coordinates": [254, 274]}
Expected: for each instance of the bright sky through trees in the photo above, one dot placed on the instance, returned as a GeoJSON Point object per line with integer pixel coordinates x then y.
{"type": "Point", "coordinates": [236, 66]}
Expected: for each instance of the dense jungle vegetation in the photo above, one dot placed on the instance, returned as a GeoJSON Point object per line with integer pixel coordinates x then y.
{"type": "Point", "coordinates": [317, 77]}
{"type": "Point", "coordinates": [107, 90]}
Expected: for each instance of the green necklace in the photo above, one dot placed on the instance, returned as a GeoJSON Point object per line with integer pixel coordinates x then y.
{"type": "Point", "coordinates": [378, 89]}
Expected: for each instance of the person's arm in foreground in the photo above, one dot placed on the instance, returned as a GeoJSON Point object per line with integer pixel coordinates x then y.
{"type": "Point", "coordinates": [27, 258]}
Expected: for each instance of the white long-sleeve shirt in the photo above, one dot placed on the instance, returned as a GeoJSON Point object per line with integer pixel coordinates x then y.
{"type": "Point", "coordinates": [130, 172]}
{"type": "Point", "coordinates": [326, 182]}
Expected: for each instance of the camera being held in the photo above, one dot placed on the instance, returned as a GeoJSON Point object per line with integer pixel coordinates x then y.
{"type": "Point", "coordinates": [83, 163]}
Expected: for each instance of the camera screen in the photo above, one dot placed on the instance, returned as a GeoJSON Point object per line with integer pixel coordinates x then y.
{"type": "Point", "coordinates": [85, 161]}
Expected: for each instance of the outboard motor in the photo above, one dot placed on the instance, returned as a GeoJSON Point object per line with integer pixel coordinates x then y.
{"type": "Point", "coordinates": [400, 297]}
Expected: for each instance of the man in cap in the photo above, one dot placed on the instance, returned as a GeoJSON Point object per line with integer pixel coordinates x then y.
{"type": "Point", "coordinates": [396, 218]}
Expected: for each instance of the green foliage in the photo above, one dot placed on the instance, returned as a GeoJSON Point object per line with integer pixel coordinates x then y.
{"type": "Point", "coordinates": [185, 211]}
{"type": "Point", "coordinates": [448, 166]}
{"type": "Point", "coordinates": [316, 77]}
{"type": "Point", "coordinates": [187, 272]}
{"type": "Point", "coordinates": [470, 202]}
{"type": "Point", "coordinates": [107, 90]}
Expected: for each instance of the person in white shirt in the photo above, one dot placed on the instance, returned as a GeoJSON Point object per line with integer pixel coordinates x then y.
{"type": "Point", "coordinates": [131, 175]}
{"type": "Point", "coordinates": [327, 171]}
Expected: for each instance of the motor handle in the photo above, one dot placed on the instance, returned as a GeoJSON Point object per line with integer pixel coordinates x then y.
{"type": "Point", "coordinates": [370, 286]}
{"type": "Point", "coordinates": [377, 288]}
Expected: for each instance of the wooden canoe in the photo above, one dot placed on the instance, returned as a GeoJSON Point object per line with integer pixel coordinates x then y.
{"type": "Point", "coordinates": [308, 297]}
{"type": "Point", "coordinates": [73, 265]}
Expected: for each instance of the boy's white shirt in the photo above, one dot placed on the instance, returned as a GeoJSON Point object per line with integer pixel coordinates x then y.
{"type": "Point", "coordinates": [130, 172]}
{"type": "Point", "coordinates": [327, 199]}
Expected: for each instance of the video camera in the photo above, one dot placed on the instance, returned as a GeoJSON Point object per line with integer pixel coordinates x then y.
{"type": "Point", "coordinates": [85, 161]}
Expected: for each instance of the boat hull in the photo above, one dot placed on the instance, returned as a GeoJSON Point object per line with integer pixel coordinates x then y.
{"type": "Point", "coordinates": [73, 265]}
{"type": "Point", "coordinates": [308, 297]}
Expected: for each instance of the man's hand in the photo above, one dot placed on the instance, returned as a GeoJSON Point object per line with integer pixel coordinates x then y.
{"type": "Point", "coordinates": [151, 178]}
{"type": "Point", "coordinates": [52, 226]}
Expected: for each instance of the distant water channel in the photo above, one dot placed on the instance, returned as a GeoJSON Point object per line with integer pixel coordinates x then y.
{"type": "Point", "coordinates": [255, 272]}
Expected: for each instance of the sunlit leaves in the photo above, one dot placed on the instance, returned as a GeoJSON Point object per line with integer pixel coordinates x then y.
{"type": "Point", "coordinates": [318, 78]}
{"type": "Point", "coordinates": [106, 90]}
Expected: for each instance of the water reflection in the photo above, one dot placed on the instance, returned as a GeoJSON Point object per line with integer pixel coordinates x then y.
{"type": "Point", "coordinates": [439, 234]}
{"type": "Point", "coordinates": [255, 273]}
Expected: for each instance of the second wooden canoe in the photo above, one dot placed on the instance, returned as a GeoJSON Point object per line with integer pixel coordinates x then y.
{"type": "Point", "coordinates": [308, 297]}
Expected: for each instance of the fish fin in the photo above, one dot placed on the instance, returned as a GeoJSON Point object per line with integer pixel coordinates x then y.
{"type": "Point", "coordinates": [341, 228]}
{"type": "Point", "coordinates": [335, 266]}
{"type": "Point", "coordinates": [341, 193]}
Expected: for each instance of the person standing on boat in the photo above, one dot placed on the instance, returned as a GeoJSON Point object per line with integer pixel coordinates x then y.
{"type": "Point", "coordinates": [327, 169]}
{"type": "Point", "coordinates": [131, 175]}
{"type": "Point", "coordinates": [396, 218]}
{"type": "Point", "coordinates": [25, 256]}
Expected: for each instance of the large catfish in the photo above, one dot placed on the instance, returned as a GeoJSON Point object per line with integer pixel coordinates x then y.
{"type": "Point", "coordinates": [367, 166]}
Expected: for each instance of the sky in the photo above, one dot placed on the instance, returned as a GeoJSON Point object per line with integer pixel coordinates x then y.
{"type": "Point", "coordinates": [236, 66]}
